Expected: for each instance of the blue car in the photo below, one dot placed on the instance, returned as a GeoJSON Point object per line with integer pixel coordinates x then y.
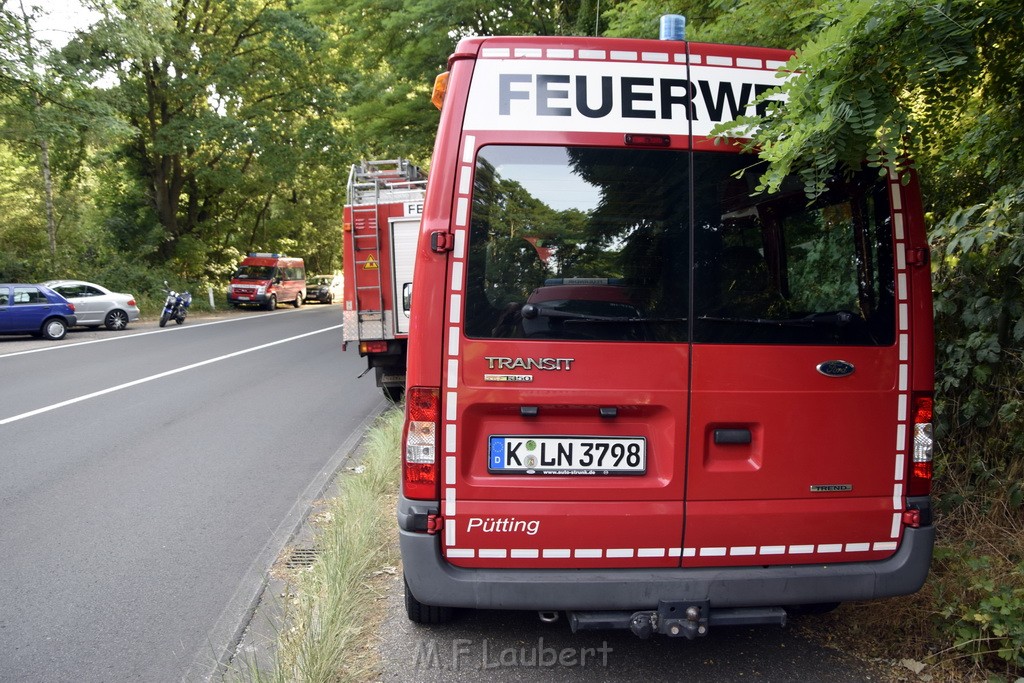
{"type": "Point", "coordinates": [35, 310]}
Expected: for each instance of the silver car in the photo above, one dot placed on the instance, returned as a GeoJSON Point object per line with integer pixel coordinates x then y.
{"type": "Point", "coordinates": [96, 305]}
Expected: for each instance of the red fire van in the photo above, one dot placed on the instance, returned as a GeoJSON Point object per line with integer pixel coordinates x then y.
{"type": "Point", "coordinates": [638, 391]}
{"type": "Point", "coordinates": [265, 279]}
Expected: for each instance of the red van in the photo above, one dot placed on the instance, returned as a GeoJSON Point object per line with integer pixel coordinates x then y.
{"type": "Point", "coordinates": [638, 391]}
{"type": "Point", "coordinates": [265, 280]}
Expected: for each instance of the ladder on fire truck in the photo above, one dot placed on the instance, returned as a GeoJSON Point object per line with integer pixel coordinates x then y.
{"type": "Point", "coordinates": [370, 184]}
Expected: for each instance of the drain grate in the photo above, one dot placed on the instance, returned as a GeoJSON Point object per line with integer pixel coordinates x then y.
{"type": "Point", "coordinates": [300, 558]}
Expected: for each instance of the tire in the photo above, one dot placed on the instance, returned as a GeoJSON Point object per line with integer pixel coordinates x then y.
{"type": "Point", "coordinates": [419, 613]}
{"type": "Point", "coordinates": [393, 394]}
{"type": "Point", "coordinates": [298, 300]}
{"type": "Point", "coordinates": [164, 317]}
{"type": "Point", "coordinates": [272, 303]}
{"type": "Point", "coordinates": [330, 299]}
{"type": "Point", "coordinates": [116, 320]}
{"type": "Point", "coordinates": [54, 329]}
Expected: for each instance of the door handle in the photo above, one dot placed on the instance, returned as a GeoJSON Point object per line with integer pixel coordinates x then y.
{"type": "Point", "coordinates": [732, 436]}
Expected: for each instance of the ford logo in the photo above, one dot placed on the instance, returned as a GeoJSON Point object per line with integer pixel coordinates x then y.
{"type": "Point", "coordinates": [835, 368]}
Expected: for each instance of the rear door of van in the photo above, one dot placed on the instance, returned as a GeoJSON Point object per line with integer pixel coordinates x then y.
{"type": "Point", "coordinates": [568, 362]}
{"type": "Point", "coordinates": [799, 389]}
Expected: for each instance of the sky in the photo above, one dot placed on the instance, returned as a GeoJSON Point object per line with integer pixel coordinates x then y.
{"type": "Point", "coordinates": [59, 19]}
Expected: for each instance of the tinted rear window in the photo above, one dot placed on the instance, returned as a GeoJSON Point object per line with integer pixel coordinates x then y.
{"type": "Point", "coordinates": [594, 243]}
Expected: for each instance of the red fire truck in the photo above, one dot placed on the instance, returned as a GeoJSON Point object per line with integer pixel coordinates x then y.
{"type": "Point", "coordinates": [640, 392]}
{"type": "Point", "coordinates": [381, 226]}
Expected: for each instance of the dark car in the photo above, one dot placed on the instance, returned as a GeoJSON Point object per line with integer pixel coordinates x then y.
{"type": "Point", "coordinates": [324, 288]}
{"type": "Point", "coordinates": [35, 310]}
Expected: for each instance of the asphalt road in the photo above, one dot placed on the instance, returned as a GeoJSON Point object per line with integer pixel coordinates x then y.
{"type": "Point", "coordinates": [148, 479]}
{"type": "Point", "coordinates": [516, 647]}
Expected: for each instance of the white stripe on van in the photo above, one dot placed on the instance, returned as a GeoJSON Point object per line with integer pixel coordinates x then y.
{"type": "Point", "coordinates": [897, 522]}
{"type": "Point", "coordinates": [452, 406]}
{"type": "Point", "coordinates": [453, 341]}
{"type": "Point", "coordinates": [655, 57]}
{"type": "Point", "coordinates": [561, 53]}
{"type": "Point", "coordinates": [460, 244]}
{"type": "Point", "coordinates": [449, 536]}
{"type": "Point", "coordinates": [639, 553]}
{"type": "Point", "coordinates": [449, 470]}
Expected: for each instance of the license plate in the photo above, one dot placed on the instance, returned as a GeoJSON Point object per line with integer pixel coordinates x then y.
{"type": "Point", "coordinates": [572, 455]}
{"type": "Point", "coordinates": [243, 298]}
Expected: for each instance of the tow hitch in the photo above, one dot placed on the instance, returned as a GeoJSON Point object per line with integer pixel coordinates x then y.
{"type": "Point", "coordinates": [680, 619]}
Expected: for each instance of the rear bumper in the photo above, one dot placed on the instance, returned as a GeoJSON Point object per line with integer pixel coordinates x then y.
{"type": "Point", "coordinates": [254, 300]}
{"type": "Point", "coordinates": [433, 581]}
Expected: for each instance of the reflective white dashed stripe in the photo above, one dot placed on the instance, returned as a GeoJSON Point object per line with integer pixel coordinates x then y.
{"type": "Point", "coordinates": [592, 55]}
{"type": "Point", "coordinates": [641, 553]}
{"type": "Point", "coordinates": [903, 370]}
{"type": "Point", "coordinates": [451, 414]}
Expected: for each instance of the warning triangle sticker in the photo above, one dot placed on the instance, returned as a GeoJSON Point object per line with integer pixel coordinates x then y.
{"type": "Point", "coordinates": [370, 264]}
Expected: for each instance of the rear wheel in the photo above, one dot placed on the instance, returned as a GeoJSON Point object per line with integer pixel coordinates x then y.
{"type": "Point", "coordinates": [298, 300]}
{"type": "Point", "coordinates": [54, 329]}
{"type": "Point", "coordinates": [419, 613]}
{"type": "Point", "coordinates": [116, 320]}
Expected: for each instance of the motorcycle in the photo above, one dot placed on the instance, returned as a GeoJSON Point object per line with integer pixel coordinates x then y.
{"type": "Point", "coordinates": [176, 306]}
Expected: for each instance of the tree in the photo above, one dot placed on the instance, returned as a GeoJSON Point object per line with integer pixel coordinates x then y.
{"type": "Point", "coordinates": [226, 101]}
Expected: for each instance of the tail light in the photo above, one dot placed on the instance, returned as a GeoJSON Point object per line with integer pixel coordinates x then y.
{"type": "Point", "coordinates": [422, 425]}
{"type": "Point", "coordinates": [71, 306]}
{"type": "Point", "coordinates": [920, 480]}
{"type": "Point", "coordinates": [377, 346]}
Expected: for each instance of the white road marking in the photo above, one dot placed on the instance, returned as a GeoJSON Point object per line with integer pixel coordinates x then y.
{"type": "Point", "coordinates": [161, 375]}
{"type": "Point", "coordinates": [130, 335]}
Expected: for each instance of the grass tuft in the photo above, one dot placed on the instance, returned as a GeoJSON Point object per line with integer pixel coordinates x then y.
{"type": "Point", "coordinates": [326, 626]}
